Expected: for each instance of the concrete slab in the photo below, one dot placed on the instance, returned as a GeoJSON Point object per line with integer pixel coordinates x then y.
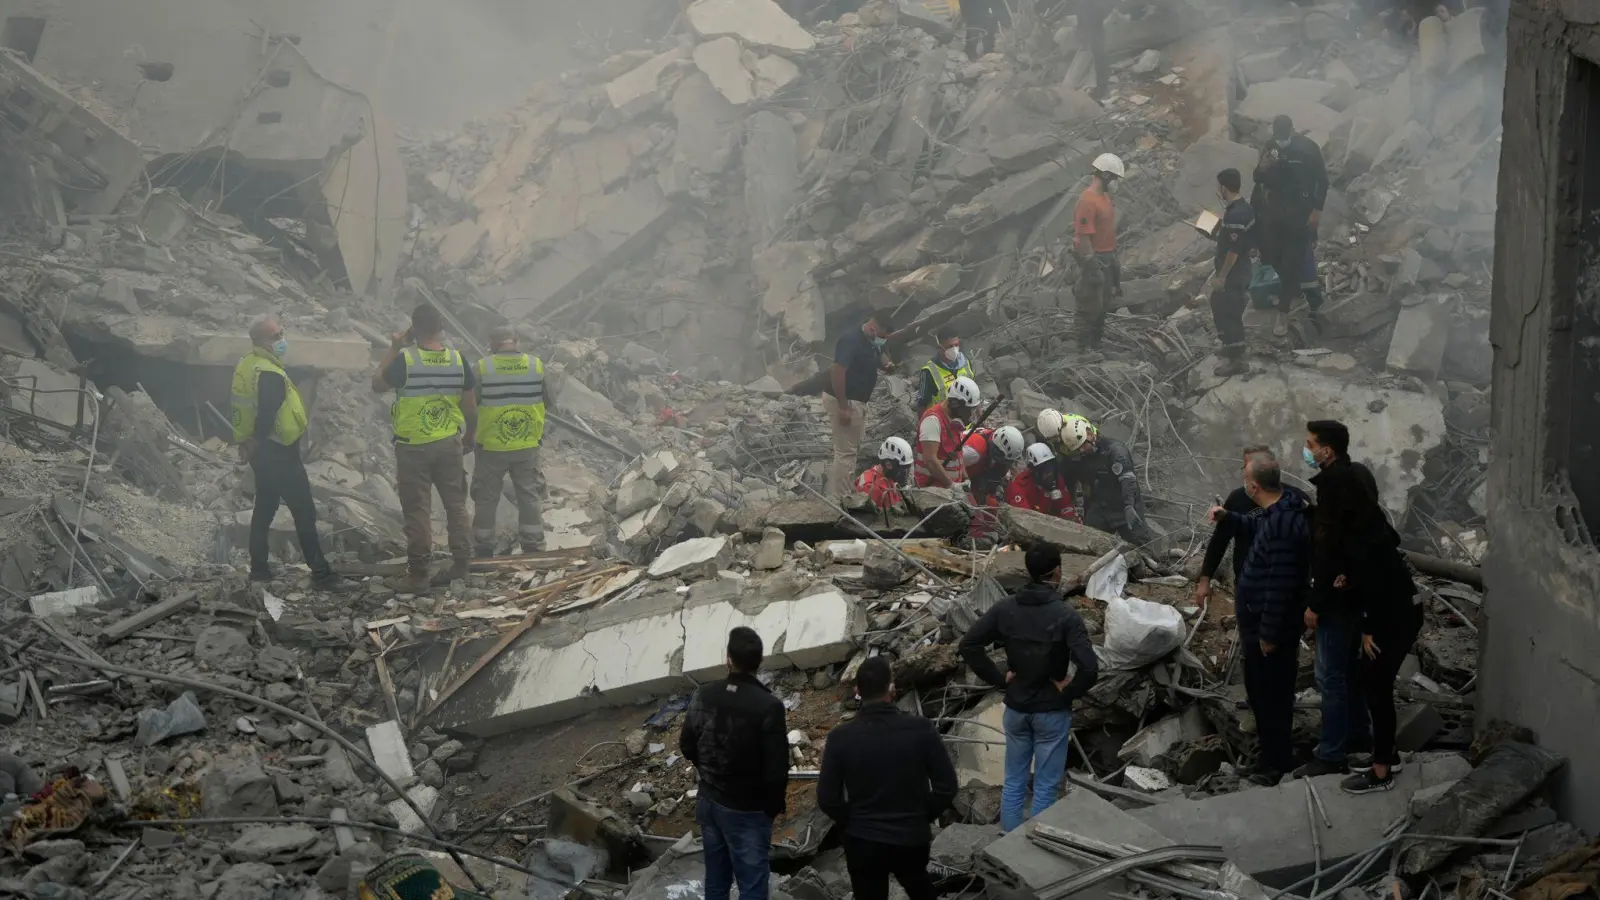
{"type": "Point", "coordinates": [1264, 829]}
{"type": "Point", "coordinates": [174, 338]}
{"type": "Point", "coordinates": [389, 751]}
{"type": "Point", "coordinates": [762, 23]}
{"type": "Point", "coordinates": [635, 91]}
{"type": "Point", "coordinates": [984, 762]}
{"type": "Point", "coordinates": [1420, 334]}
{"type": "Point", "coordinates": [1028, 527]}
{"type": "Point", "coordinates": [656, 644]}
{"type": "Point", "coordinates": [695, 558]}
{"type": "Point", "coordinates": [1020, 869]}
{"type": "Point", "coordinates": [720, 61]}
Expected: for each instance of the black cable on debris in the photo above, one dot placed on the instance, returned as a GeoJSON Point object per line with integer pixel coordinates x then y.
{"type": "Point", "coordinates": [278, 708]}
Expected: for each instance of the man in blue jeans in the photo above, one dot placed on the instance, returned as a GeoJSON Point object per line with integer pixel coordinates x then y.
{"type": "Point", "coordinates": [735, 734]}
{"type": "Point", "coordinates": [1044, 638]}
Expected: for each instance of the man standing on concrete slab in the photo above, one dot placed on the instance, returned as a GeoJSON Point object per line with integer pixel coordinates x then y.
{"type": "Point", "coordinates": [1230, 279]}
{"type": "Point", "coordinates": [511, 404]}
{"type": "Point", "coordinates": [433, 408]}
{"type": "Point", "coordinates": [1049, 663]}
{"type": "Point", "coordinates": [1094, 244]}
{"type": "Point", "coordinates": [857, 359]}
{"type": "Point", "coordinates": [1348, 514]}
{"type": "Point", "coordinates": [1292, 185]}
{"type": "Point", "coordinates": [736, 735]}
{"type": "Point", "coordinates": [1238, 502]}
{"type": "Point", "coordinates": [1391, 617]}
{"type": "Point", "coordinates": [885, 776]}
{"type": "Point", "coordinates": [1270, 599]}
{"type": "Point", "coordinates": [269, 419]}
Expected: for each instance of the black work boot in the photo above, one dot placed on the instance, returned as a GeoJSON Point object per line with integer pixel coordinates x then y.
{"type": "Point", "coordinates": [262, 573]}
{"type": "Point", "coordinates": [483, 551]}
{"type": "Point", "coordinates": [458, 570]}
{"type": "Point", "coordinates": [416, 580]}
{"type": "Point", "coordinates": [1232, 362]}
{"type": "Point", "coordinates": [332, 582]}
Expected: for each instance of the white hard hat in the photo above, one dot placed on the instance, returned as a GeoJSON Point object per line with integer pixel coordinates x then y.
{"type": "Point", "coordinates": [896, 450]}
{"type": "Point", "coordinates": [1111, 163]}
{"type": "Point", "coordinates": [1039, 454]}
{"type": "Point", "coordinates": [1049, 423]}
{"type": "Point", "coordinates": [966, 390]}
{"type": "Point", "coordinates": [1074, 431]}
{"type": "Point", "coordinates": [1008, 440]}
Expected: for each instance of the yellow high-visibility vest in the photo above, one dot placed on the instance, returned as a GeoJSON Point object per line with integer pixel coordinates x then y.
{"type": "Point", "coordinates": [428, 406]}
{"type": "Point", "coordinates": [943, 378]}
{"type": "Point", "coordinates": [289, 424]}
{"type": "Point", "coordinates": [510, 402]}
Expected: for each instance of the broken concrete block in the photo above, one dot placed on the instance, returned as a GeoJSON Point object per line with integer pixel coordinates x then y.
{"type": "Point", "coordinates": [708, 125]}
{"type": "Point", "coordinates": [271, 843]}
{"type": "Point", "coordinates": [791, 293]}
{"type": "Point", "coordinates": [1417, 725]}
{"type": "Point", "coordinates": [957, 846]}
{"type": "Point", "coordinates": [978, 757]}
{"type": "Point", "coordinates": [1464, 34]}
{"type": "Point", "coordinates": [1420, 335]}
{"type": "Point", "coordinates": [237, 786]}
{"type": "Point", "coordinates": [1268, 65]}
{"type": "Point", "coordinates": [659, 467]}
{"type": "Point", "coordinates": [63, 603]}
{"type": "Point", "coordinates": [771, 173]}
{"type": "Point", "coordinates": [424, 796]}
{"type": "Point", "coordinates": [1196, 188]}
{"type": "Point", "coordinates": [636, 91]}
{"type": "Point", "coordinates": [644, 526]}
{"type": "Point", "coordinates": [760, 23]}
{"type": "Point", "coordinates": [389, 751]}
{"type": "Point", "coordinates": [928, 283]}
{"type": "Point", "coordinates": [1016, 194]}
{"type": "Point", "coordinates": [1300, 98]}
{"type": "Point", "coordinates": [1164, 736]}
{"type": "Point", "coordinates": [1032, 529]}
{"type": "Point", "coordinates": [13, 699]}
{"type": "Point", "coordinates": [1357, 315]}
{"type": "Point", "coordinates": [770, 553]}
{"type": "Point", "coordinates": [773, 74]}
{"type": "Point", "coordinates": [720, 60]}
{"type": "Point", "coordinates": [692, 559]}
{"type": "Point", "coordinates": [635, 496]}
{"type": "Point", "coordinates": [460, 244]}
{"type": "Point", "coordinates": [1023, 868]}
{"type": "Point", "coordinates": [118, 291]}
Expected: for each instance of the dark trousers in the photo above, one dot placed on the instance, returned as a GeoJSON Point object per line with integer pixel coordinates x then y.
{"type": "Point", "coordinates": [1291, 252]}
{"type": "Point", "coordinates": [1346, 727]}
{"type": "Point", "coordinates": [1092, 36]}
{"type": "Point", "coordinates": [281, 479]}
{"type": "Point", "coordinates": [1269, 685]}
{"type": "Point", "coordinates": [983, 20]}
{"type": "Point", "coordinates": [1394, 640]}
{"type": "Point", "coordinates": [871, 863]}
{"type": "Point", "coordinates": [1227, 312]}
{"type": "Point", "coordinates": [738, 846]}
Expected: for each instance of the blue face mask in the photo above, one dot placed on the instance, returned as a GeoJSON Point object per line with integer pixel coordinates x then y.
{"type": "Point", "coordinates": [280, 347]}
{"type": "Point", "coordinates": [878, 342]}
{"type": "Point", "coordinates": [1311, 460]}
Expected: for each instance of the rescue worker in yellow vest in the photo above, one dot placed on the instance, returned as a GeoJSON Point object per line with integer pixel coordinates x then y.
{"type": "Point", "coordinates": [948, 364]}
{"type": "Point", "coordinates": [511, 401]}
{"type": "Point", "coordinates": [269, 419]}
{"type": "Point", "coordinates": [434, 408]}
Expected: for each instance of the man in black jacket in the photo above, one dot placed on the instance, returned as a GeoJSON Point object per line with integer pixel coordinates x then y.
{"type": "Point", "coordinates": [1269, 600]}
{"type": "Point", "coordinates": [1044, 638]}
{"type": "Point", "coordinates": [885, 775]}
{"type": "Point", "coordinates": [1238, 502]}
{"type": "Point", "coordinates": [1291, 186]}
{"type": "Point", "coordinates": [736, 736]}
{"type": "Point", "coordinates": [1348, 515]}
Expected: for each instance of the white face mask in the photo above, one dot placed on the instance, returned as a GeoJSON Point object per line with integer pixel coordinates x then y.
{"type": "Point", "coordinates": [1055, 495]}
{"type": "Point", "coordinates": [951, 354]}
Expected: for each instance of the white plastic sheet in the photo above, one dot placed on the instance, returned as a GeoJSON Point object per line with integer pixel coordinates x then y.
{"type": "Point", "coordinates": [1139, 632]}
{"type": "Point", "coordinates": [1109, 582]}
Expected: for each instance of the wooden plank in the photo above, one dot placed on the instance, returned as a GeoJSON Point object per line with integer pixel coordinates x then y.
{"type": "Point", "coordinates": [147, 617]}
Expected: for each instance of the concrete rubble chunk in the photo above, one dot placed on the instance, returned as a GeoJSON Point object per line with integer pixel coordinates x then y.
{"type": "Point", "coordinates": [426, 797]}
{"type": "Point", "coordinates": [1163, 736]}
{"type": "Point", "coordinates": [1037, 529]}
{"type": "Point", "coordinates": [1300, 98]}
{"type": "Point", "coordinates": [1417, 725]}
{"type": "Point", "coordinates": [771, 173]}
{"type": "Point", "coordinates": [956, 846]}
{"type": "Point", "coordinates": [635, 496]}
{"type": "Point", "coordinates": [769, 555]}
{"type": "Point", "coordinates": [694, 558]}
{"type": "Point", "coordinates": [773, 74]}
{"type": "Point", "coordinates": [659, 467]}
{"type": "Point", "coordinates": [1196, 188]}
{"type": "Point", "coordinates": [720, 60]}
{"type": "Point", "coordinates": [278, 843]}
{"type": "Point", "coordinates": [1022, 867]}
{"type": "Point", "coordinates": [636, 91]}
{"type": "Point", "coordinates": [389, 751]}
{"type": "Point", "coordinates": [928, 283]}
{"type": "Point", "coordinates": [708, 125]}
{"type": "Point", "coordinates": [760, 23]}
{"type": "Point", "coordinates": [237, 786]}
{"type": "Point", "coordinates": [814, 520]}
{"type": "Point", "coordinates": [1420, 336]}
{"type": "Point", "coordinates": [792, 294]}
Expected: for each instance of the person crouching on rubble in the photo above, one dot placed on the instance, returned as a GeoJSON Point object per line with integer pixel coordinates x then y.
{"type": "Point", "coordinates": [988, 456]}
{"type": "Point", "coordinates": [882, 482]}
{"type": "Point", "coordinates": [1270, 599]}
{"type": "Point", "coordinates": [1049, 664]}
{"type": "Point", "coordinates": [1102, 470]}
{"type": "Point", "coordinates": [940, 434]}
{"type": "Point", "coordinates": [1040, 486]}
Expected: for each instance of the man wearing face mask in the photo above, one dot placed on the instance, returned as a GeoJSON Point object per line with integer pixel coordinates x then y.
{"type": "Point", "coordinates": [1269, 599]}
{"type": "Point", "coordinates": [1040, 487]}
{"type": "Point", "coordinates": [1291, 187]}
{"type": "Point", "coordinates": [948, 364]}
{"type": "Point", "coordinates": [1231, 275]}
{"type": "Point", "coordinates": [940, 434]}
{"type": "Point", "coordinates": [882, 482]}
{"type": "Point", "coordinates": [1094, 244]}
{"type": "Point", "coordinates": [857, 359]}
{"type": "Point", "coordinates": [269, 419]}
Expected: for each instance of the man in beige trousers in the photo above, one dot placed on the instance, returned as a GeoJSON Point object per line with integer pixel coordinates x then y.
{"type": "Point", "coordinates": [857, 359]}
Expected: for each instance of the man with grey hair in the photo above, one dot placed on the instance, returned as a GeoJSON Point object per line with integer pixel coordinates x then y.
{"type": "Point", "coordinates": [268, 419]}
{"type": "Point", "coordinates": [511, 414]}
{"type": "Point", "coordinates": [1270, 600]}
{"type": "Point", "coordinates": [1238, 502]}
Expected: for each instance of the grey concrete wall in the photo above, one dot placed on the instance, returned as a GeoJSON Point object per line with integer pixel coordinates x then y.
{"type": "Point", "coordinates": [1539, 665]}
{"type": "Point", "coordinates": [432, 65]}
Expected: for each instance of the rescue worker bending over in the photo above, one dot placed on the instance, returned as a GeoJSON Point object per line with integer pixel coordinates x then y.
{"type": "Point", "coordinates": [1101, 472]}
{"type": "Point", "coordinates": [948, 364]}
{"type": "Point", "coordinates": [988, 455]}
{"type": "Point", "coordinates": [1041, 487]}
{"type": "Point", "coordinates": [882, 482]}
{"type": "Point", "coordinates": [939, 437]}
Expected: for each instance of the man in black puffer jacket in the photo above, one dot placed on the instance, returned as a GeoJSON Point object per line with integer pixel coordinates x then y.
{"type": "Point", "coordinates": [1044, 638]}
{"type": "Point", "coordinates": [736, 735]}
{"type": "Point", "coordinates": [1270, 601]}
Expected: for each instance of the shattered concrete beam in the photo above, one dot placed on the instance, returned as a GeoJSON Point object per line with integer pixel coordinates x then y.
{"type": "Point", "coordinates": [661, 643]}
{"type": "Point", "coordinates": [1030, 528]}
{"type": "Point", "coordinates": [814, 520]}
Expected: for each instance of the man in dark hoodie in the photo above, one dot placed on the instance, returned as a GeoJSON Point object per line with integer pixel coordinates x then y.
{"type": "Point", "coordinates": [1348, 519]}
{"type": "Point", "coordinates": [735, 735]}
{"type": "Point", "coordinates": [1269, 600]}
{"type": "Point", "coordinates": [885, 776]}
{"type": "Point", "coordinates": [1049, 663]}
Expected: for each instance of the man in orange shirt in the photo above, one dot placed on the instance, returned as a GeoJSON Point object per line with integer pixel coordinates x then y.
{"type": "Point", "coordinates": [1094, 243]}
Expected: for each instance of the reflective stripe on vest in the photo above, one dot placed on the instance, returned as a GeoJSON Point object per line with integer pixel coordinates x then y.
{"type": "Point", "coordinates": [510, 402]}
{"type": "Point", "coordinates": [943, 378]}
{"type": "Point", "coordinates": [428, 407]}
{"type": "Point", "coordinates": [290, 422]}
{"type": "Point", "coordinates": [949, 445]}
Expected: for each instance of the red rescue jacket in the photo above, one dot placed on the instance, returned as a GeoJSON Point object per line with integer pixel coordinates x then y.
{"type": "Point", "coordinates": [949, 443]}
{"type": "Point", "coordinates": [1025, 494]}
{"type": "Point", "coordinates": [882, 490]}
